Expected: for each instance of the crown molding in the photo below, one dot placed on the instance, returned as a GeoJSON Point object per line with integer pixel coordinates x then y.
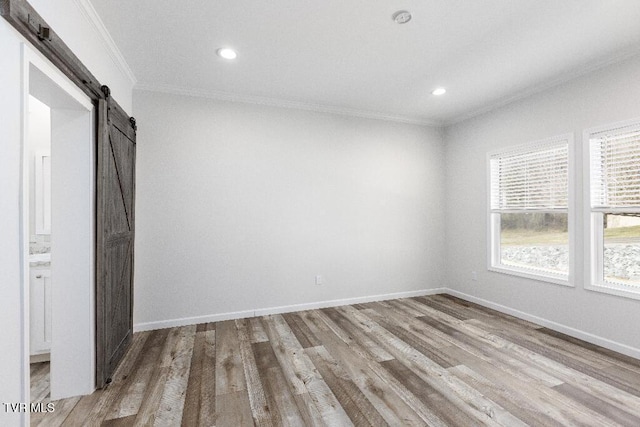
{"type": "Point", "coordinates": [277, 102]}
{"type": "Point", "coordinates": [91, 15]}
{"type": "Point", "coordinates": [565, 78]}
{"type": "Point", "coordinates": [283, 103]}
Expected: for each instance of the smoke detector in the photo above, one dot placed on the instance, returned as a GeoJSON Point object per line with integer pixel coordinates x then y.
{"type": "Point", "coordinates": [401, 17]}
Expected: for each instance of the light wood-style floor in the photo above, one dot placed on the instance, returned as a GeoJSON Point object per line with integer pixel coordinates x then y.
{"type": "Point", "coordinates": [39, 375]}
{"type": "Point", "coordinates": [434, 360]}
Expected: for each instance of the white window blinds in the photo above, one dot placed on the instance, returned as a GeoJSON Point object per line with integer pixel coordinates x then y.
{"type": "Point", "coordinates": [615, 167]}
{"type": "Point", "coordinates": [535, 178]}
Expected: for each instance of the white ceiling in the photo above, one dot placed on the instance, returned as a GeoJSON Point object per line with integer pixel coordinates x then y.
{"type": "Point", "coordinates": [349, 56]}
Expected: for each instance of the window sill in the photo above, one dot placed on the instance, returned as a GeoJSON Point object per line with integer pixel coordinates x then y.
{"type": "Point", "coordinates": [614, 289]}
{"type": "Point", "coordinates": [514, 271]}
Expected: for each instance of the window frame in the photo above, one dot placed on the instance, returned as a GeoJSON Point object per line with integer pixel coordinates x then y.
{"type": "Point", "coordinates": [493, 218]}
{"type": "Point", "coordinates": [593, 223]}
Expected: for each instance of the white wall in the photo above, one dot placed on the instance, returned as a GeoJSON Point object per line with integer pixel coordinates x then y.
{"type": "Point", "coordinates": [67, 21]}
{"type": "Point", "coordinates": [609, 95]}
{"type": "Point", "coordinates": [11, 357]}
{"type": "Point", "coordinates": [240, 206]}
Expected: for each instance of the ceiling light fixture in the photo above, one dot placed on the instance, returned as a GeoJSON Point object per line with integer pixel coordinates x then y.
{"type": "Point", "coordinates": [439, 91]}
{"type": "Point", "coordinates": [227, 53]}
{"type": "Point", "coordinates": [401, 17]}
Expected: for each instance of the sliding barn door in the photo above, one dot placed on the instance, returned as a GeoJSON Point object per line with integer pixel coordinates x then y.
{"type": "Point", "coordinates": [115, 230]}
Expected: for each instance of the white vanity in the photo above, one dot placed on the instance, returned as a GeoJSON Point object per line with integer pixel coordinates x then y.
{"type": "Point", "coordinates": [40, 303]}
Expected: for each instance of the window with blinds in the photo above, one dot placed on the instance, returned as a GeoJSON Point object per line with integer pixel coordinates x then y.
{"type": "Point", "coordinates": [532, 179]}
{"type": "Point", "coordinates": [614, 211]}
{"type": "Point", "coordinates": [529, 210]}
{"type": "Point", "coordinates": [615, 168]}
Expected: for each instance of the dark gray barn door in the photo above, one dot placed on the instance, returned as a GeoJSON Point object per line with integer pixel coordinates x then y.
{"type": "Point", "coordinates": [115, 231]}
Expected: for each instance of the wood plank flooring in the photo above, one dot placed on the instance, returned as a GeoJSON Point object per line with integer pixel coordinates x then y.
{"type": "Point", "coordinates": [39, 375]}
{"type": "Point", "coordinates": [435, 360]}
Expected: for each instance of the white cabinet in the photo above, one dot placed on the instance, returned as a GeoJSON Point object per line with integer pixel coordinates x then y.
{"type": "Point", "coordinates": [40, 310]}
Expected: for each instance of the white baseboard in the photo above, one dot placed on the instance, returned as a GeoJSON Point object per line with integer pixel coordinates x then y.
{"type": "Point", "coordinates": [172, 323]}
{"type": "Point", "coordinates": [185, 321]}
{"type": "Point", "coordinates": [576, 333]}
{"type": "Point", "coordinates": [346, 301]}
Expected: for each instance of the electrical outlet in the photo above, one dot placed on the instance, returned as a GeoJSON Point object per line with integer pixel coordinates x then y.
{"type": "Point", "coordinates": [474, 276]}
{"type": "Point", "coordinates": [319, 280]}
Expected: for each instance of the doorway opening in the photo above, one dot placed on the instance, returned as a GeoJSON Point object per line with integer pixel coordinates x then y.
{"type": "Point", "coordinates": [58, 231]}
{"type": "Point", "coordinates": [38, 139]}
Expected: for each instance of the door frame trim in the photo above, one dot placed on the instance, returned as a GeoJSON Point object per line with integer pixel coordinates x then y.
{"type": "Point", "coordinates": [24, 18]}
{"type": "Point", "coordinates": [31, 58]}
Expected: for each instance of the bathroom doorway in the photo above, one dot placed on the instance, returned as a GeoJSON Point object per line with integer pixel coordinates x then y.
{"type": "Point", "coordinates": [38, 152]}
{"type": "Point", "coordinates": [58, 231]}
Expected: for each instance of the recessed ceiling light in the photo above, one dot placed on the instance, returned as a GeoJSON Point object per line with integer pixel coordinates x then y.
{"type": "Point", "coordinates": [439, 91]}
{"type": "Point", "coordinates": [227, 53]}
{"type": "Point", "coordinates": [401, 17]}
